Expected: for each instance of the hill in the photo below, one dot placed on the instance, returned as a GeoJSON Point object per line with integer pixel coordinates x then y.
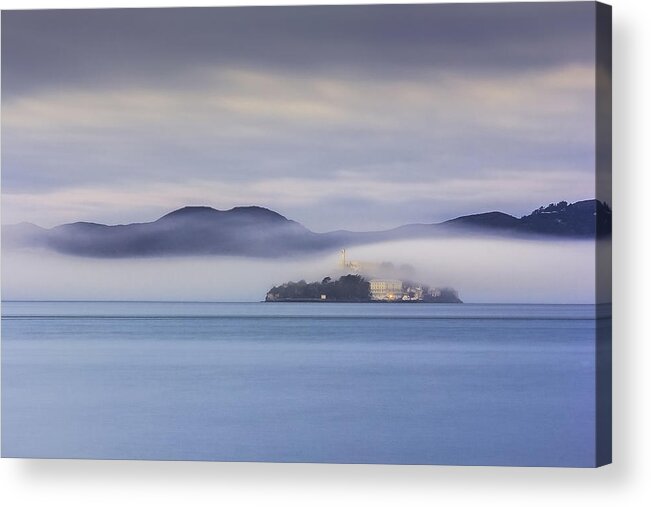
{"type": "Point", "coordinates": [255, 231]}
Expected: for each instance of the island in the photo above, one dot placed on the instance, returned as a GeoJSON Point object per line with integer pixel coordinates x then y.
{"type": "Point", "coordinates": [356, 289]}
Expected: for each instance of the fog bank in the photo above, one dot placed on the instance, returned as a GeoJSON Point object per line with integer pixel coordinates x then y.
{"type": "Point", "coordinates": [481, 269]}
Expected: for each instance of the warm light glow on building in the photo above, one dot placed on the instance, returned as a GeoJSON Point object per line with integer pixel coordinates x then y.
{"type": "Point", "coordinates": [386, 289]}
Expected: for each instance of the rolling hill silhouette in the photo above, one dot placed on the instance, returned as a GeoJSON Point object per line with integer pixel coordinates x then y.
{"type": "Point", "coordinates": [253, 231]}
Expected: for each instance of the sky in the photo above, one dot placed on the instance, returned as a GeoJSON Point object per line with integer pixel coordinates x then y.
{"type": "Point", "coordinates": [358, 117]}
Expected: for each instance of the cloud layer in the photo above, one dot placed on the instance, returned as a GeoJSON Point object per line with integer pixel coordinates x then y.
{"type": "Point", "coordinates": [481, 269]}
{"type": "Point", "coordinates": [353, 117]}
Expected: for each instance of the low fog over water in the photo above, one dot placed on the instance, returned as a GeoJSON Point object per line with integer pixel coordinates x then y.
{"type": "Point", "coordinates": [481, 269]}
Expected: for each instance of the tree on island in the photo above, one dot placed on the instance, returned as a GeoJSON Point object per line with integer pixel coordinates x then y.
{"type": "Point", "coordinates": [346, 288]}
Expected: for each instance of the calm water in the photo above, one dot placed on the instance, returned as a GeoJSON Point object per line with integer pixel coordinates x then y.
{"type": "Point", "coordinates": [361, 383]}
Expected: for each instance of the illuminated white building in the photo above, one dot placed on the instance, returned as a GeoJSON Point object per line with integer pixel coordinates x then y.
{"type": "Point", "coordinates": [386, 289]}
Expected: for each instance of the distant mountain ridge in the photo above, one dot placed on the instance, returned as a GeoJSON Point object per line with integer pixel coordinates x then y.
{"type": "Point", "coordinates": [587, 218]}
{"type": "Point", "coordinates": [254, 231]}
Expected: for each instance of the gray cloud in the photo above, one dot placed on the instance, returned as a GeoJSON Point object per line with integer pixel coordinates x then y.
{"type": "Point", "coordinates": [54, 48]}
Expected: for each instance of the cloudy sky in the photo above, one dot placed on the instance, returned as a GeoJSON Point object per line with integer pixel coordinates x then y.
{"type": "Point", "coordinates": [361, 117]}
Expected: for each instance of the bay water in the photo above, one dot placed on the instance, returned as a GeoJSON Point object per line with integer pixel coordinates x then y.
{"type": "Point", "coordinates": [300, 382]}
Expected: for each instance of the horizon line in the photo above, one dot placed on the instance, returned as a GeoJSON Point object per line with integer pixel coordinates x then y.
{"type": "Point", "coordinates": [245, 206]}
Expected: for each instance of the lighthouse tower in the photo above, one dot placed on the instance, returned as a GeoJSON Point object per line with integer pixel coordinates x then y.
{"type": "Point", "coordinates": [342, 261]}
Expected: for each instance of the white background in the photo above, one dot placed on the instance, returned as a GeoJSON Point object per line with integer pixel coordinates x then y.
{"type": "Point", "coordinates": [626, 482]}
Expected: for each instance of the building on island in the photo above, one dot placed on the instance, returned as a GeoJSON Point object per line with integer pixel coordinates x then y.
{"type": "Point", "coordinates": [386, 289]}
{"type": "Point", "coordinates": [398, 289]}
{"type": "Point", "coordinates": [414, 293]}
{"type": "Point", "coordinates": [356, 267]}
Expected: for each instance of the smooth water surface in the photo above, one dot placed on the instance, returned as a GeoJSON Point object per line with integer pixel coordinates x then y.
{"type": "Point", "coordinates": [361, 383]}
